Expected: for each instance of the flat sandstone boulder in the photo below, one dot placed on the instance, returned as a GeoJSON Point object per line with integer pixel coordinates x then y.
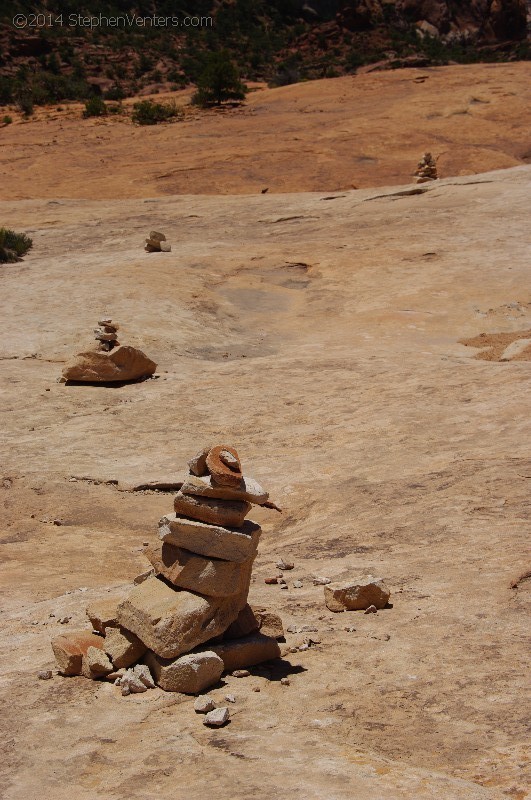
{"type": "Point", "coordinates": [204, 486]}
{"type": "Point", "coordinates": [173, 622]}
{"type": "Point", "coordinates": [356, 595]}
{"type": "Point", "coordinates": [123, 363]}
{"type": "Point", "coordinates": [211, 509]}
{"type": "Point", "coordinates": [189, 674]}
{"type": "Point", "coordinates": [246, 652]}
{"type": "Point", "coordinates": [208, 576]}
{"type": "Point", "coordinates": [213, 541]}
{"type": "Point", "coordinates": [69, 649]}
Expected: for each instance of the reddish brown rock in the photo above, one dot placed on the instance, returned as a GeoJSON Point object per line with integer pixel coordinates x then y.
{"type": "Point", "coordinates": [228, 513]}
{"type": "Point", "coordinates": [69, 649]}
{"type": "Point", "coordinates": [356, 595]}
{"type": "Point", "coordinates": [197, 464]}
{"type": "Point", "coordinates": [221, 468]}
{"type": "Point", "coordinates": [123, 363]}
{"type": "Point", "coordinates": [246, 652]}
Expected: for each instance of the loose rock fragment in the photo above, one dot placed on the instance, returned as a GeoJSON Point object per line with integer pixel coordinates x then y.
{"type": "Point", "coordinates": [44, 674]}
{"type": "Point", "coordinates": [203, 704]}
{"type": "Point", "coordinates": [320, 581]}
{"type": "Point", "coordinates": [70, 648]}
{"type": "Point", "coordinates": [189, 674]}
{"type": "Point", "coordinates": [285, 564]}
{"type": "Point", "coordinates": [297, 584]}
{"type": "Point", "coordinates": [356, 595]}
{"type": "Point", "coordinates": [123, 647]}
{"type": "Point", "coordinates": [217, 717]}
{"type": "Point", "coordinates": [95, 663]}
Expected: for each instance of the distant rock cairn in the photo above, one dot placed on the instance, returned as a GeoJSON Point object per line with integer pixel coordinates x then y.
{"type": "Point", "coordinates": [426, 169]}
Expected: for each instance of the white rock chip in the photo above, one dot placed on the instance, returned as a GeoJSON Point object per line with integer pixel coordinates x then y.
{"type": "Point", "coordinates": [217, 717]}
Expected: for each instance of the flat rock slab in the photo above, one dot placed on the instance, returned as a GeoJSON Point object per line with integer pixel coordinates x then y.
{"type": "Point", "coordinates": [211, 509]}
{"type": "Point", "coordinates": [69, 649]}
{"type": "Point", "coordinates": [214, 541]}
{"type": "Point", "coordinates": [248, 490]}
{"type": "Point", "coordinates": [246, 652]}
{"type": "Point", "coordinates": [171, 622]}
{"type": "Point", "coordinates": [212, 577]}
{"type": "Point", "coordinates": [356, 595]}
{"type": "Point", "coordinates": [189, 674]}
{"type": "Point", "coordinates": [123, 363]}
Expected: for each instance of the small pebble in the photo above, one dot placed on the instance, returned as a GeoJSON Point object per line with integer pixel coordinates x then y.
{"type": "Point", "coordinates": [282, 582]}
{"type": "Point", "coordinates": [203, 704]}
{"type": "Point", "coordinates": [240, 673]}
{"type": "Point", "coordinates": [271, 581]}
{"type": "Point", "coordinates": [217, 717]}
{"type": "Point", "coordinates": [320, 581]}
{"type": "Point", "coordinates": [297, 584]}
{"type": "Point", "coordinates": [284, 586]}
{"type": "Point", "coordinates": [285, 564]}
{"type": "Point", "coordinates": [350, 629]}
{"type": "Point", "coordinates": [256, 688]}
{"type": "Point", "coordinates": [65, 620]}
{"type": "Point", "coordinates": [285, 681]}
{"type": "Point", "coordinates": [371, 610]}
{"type": "Point", "coordinates": [230, 698]}
{"type": "Point", "coordinates": [44, 674]}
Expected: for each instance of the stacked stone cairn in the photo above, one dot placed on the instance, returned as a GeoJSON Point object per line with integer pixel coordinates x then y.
{"type": "Point", "coordinates": [106, 334]}
{"type": "Point", "coordinates": [187, 619]}
{"type": "Point", "coordinates": [156, 243]}
{"type": "Point", "coordinates": [426, 169]}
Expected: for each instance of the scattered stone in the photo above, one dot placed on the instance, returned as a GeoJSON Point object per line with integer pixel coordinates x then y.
{"type": "Point", "coordinates": [371, 610]}
{"type": "Point", "coordinates": [271, 581]}
{"type": "Point", "coordinates": [173, 622]}
{"type": "Point", "coordinates": [156, 242]}
{"type": "Point", "coordinates": [356, 595]}
{"type": "Point", "coordinates": [256, 688]}
{"type": "Point", "coordinates": [189, 674]}
{"type": "Point", "coordinates": [115, 676]}
{"type": "Point", "coordinates": [213, 577]}
{"type": "Point", "coordinates": [65, 620]}
{"type": "Point", "coordinates": [95, 663]}
{"type": "Point", "coordinates": [123, 363]}
{"type": "Point", "coordinates": [297, 584]}
{"type": "Point", "coordinates": [142, 673]}
{"type": "Point", "coordinates": [70, 648]}
{"type": "Point", "coordinates": [203, 704]}
{"type": "Point", "coordinates": [230, 698]}
{"type": "Point", "coordinates": [123, 647]}
{"type": "Point", "coordinates": [240, 673]}
{"type": "Point", "coordinates": [211, 540]}
{"type": "Point", "coordinates": [320, 581]}
{"type": "Point", "coordinates": [282, 582]}
{"type": "Point", "coordinates": [285, 681]}
{"type": "Point", "coordinates": [284, 586]}
{"type": "Point", "coordinates": [285, 564]}
{"type": "Point", "coordinates": [227, 513]}
{"type": "Point", "coordinates": [217, 718]}
{"type": "Point", "coordinates": [350, 629]}
{"type": "Point", "coordinates": [44, 674]}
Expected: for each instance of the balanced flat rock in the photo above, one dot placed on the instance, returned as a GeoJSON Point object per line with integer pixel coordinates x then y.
{"type": "Point", "coordinates": [69, 649]}
{"type": "Point", "coordinates": [211, 540]}
{"type": "Point", "coordinates": [173, 622]}
{"type": "Point", "coordinates": [204, 486]}
{"type": "Point", "coordinates": [247, 651]}
{"type": "Point", "coordinates": [213, 577]}
{"type": "Point", "coordinates": [189, 674]}
{"type": "Point", "coordinates": [211, 509]}
{"type": "Point", "coordinates": [123, 363]}
{"type": "Point", "coordinates": [356, 595]}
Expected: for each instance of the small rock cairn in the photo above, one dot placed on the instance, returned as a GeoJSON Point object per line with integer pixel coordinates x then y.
{"type": "Point", "coordinates": [156, 243]}
{"type": "Point", "coordinates": [426, 169]}
{"type": "Point", "coordinates": [187, 619]}
{"type": "Point", "coordinates": [106, 334]}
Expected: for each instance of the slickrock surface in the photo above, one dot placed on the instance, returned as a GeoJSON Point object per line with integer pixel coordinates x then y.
{"type": "Point", "coordinates": [322, 338]}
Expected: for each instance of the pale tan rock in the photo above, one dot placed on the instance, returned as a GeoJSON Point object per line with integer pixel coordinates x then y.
{"type": "Point", "coordinates": [356, 595]}
{"type": "Point", "coordinates": [173, 622]}
{"type": "Point", "coordinates": [95, 663]}
{"type": "Point", "coordinates": [102, 612]}
{"type": "Point", "coordinates": [189, 674]}
{"type": "Point", "coordinates": [229, 513]}
{"type": "Point", "coordinates": [204, 486]}
{"type": "Point", "coordinates": [247, 651]}
{"type": "Point", "coordinates": [212, 577]}
{"type": "Point", "coordinates": [197, 464]}
{"type": "Point", "coordinates": [165, 247]}
{"type": "Point", "coordinates": [123, 647]}
{"type": "Point", "coordinates": [224, 471]}
{"type": "Point", "coordinates": [217, 718]}
{"type": "Point", "coordinates": [244, 624]}
{"type": "Point", "coordinates": [269, 623]}
{"type": "Point", "coordinates": [157, 237]}
{"type": "Point", "coordinates": [213, 541]}
{"type": "Point", "coordinates": [69, 649]}
{"type": "Point", "coordinates": [123, 363]}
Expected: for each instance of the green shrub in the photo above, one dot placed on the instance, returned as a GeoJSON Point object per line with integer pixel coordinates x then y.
{"type": "Point", "coordinates": [7, 120]}
{"type": "Point", "coordinates": [147, 112]}
{"type": "Point", "coordinates": [25, 103]}
{"type": "Point", "coordinates": [95, 107]}
{"type": "Point", "coordinates": [13, 245]}
{"type": "Point", "coordinates": [219, 81]}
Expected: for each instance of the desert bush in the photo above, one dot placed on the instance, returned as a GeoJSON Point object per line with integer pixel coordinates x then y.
{"type": "Point", "coordinates": [7, 120]}
{"type": "Point", "coordinates": [148, 112]}
{"type": "Point", "coordinates": [13, 245]}
{"type": "Point", "coordinates": [218, 82]}
{"type": "Point", "coordinates": [95, 107]}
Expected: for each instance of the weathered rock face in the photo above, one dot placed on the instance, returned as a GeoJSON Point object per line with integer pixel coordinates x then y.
{"type": "Point", "coordinates": [229, 513]}
{"type": "Point", "coordinates": [70, 648]}
{"type": "Point", "coordinates": [173, 622]}
{"type": "Point", "coordinates": [213, 541]}
{"type": "Point", "coordinates": [189, 674]}
{"type": "Point", "coordinates": [356, 595]}
{"type": "Point", "coordinates": [124, 363]}
{"type": "Point", "coordinates": [213, 577]}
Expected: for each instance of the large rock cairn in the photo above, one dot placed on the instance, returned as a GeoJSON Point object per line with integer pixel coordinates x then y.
{"type": "Point", "coordinates": [426, 169]}
{"type": "Point", "coordinates": [110, 361]}
{"type": "Point", "coordinates": [187, 620]}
